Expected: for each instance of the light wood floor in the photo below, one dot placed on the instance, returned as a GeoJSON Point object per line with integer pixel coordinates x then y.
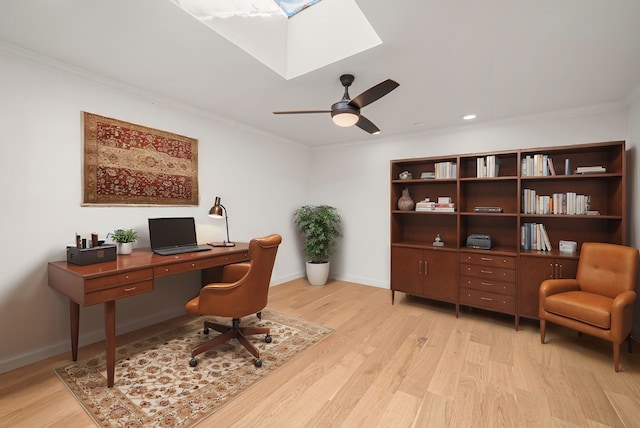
{"type": "Point", "coordinates": [409, 364]}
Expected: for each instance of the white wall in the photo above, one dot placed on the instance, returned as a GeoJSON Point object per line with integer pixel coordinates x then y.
{"type": "Point", "coordinates": [633, 145]}
{"type": "Point", "coordinates": [40, 171]}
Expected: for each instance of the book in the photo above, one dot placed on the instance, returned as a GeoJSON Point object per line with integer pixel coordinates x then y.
{"type": "Point", "coordinates": [545, 236]}
{"type": "Point", "coordinates": [552, 170]}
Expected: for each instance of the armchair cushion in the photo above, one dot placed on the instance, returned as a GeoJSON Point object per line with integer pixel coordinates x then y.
{"type": "Point", "coordinates": [588, 308]}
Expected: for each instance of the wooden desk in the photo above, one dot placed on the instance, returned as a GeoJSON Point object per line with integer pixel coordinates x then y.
{"type": "Point", "coordinates": [128, 276]}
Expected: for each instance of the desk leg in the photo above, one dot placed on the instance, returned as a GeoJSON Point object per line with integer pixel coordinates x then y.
{"type": "Point", "coordinates": [110, 339]}
{"type": "Point", "coordinates": [74, 315]}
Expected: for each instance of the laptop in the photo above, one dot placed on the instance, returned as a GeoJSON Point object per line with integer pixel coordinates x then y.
{"type": "Point", "coordinates": [174, 235]}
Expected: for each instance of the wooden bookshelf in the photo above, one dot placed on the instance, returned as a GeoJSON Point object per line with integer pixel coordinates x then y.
{"type": "Point", "coordinates": [506, 277]}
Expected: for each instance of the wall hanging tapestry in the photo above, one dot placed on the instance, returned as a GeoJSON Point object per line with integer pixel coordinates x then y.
{"type": "Point", "coordinates": [127, 164]}
{"type": "Point", "coordinates": [156, 387]}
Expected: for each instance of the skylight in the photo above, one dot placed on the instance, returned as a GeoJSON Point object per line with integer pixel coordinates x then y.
{"type": "Point", "coordinates": [291, 7]}
{"type": "Point", "coordinates": [288, 42]}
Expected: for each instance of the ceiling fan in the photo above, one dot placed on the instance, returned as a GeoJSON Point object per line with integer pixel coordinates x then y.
{"type": "Point", "coordinates": [346, 112]}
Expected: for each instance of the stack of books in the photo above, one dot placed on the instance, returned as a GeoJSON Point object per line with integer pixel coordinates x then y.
{"type": "Point", "coordinates": [425, 205]}
{"type": "Point", "coordinates": [444, 204]}
{"type": "Point", "coordinates": [590, 169]}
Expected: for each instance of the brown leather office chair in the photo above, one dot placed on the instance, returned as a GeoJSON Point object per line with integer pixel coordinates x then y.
{"type": "Point", "coordinates": [243, 290]}
{"type": "Point", "coordinates": [599, 301]}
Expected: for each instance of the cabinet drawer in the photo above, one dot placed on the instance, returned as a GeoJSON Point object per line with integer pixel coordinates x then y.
{"type": "Point", "coordinates": [118, 292]}
{"type": "Point", "coordinates": [111, 281]}
{"type": "Point", "coordinates": [488, 260]}
{"type": "Point", "coordinates": [488, 272]}
{"type": "Point", "coordinates": [191, 265]}
{"type": "Point", "coordinates": [481, 284]}
{"type": "Point", "coordinates": [485, 300]}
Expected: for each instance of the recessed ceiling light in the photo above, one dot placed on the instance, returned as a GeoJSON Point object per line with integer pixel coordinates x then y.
{"type": "Point", "coordinates": [470, 116]}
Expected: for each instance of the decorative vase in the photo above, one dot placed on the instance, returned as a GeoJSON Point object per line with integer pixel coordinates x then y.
{"type": "Point", "coordinates": [125, 247]}
{"type": "Point", "coordinates": [405, 203]}
{"type": "Point", "coordinates": [317, 273]}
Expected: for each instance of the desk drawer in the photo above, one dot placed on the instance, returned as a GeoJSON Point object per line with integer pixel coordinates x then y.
{"type": "Point", "coordinates": [488, 260]}
{"type": "Point", "coordinates": [485, 300]}
{"type": "Point", "coordinates": [118, 292]}
{"type": "Point", "coordinates": [111, 281]}
{"type": "Point", "coordinates": [191, 265]}
{"type": "Point", "coordinates": [488, 272]}
{"type": "Point", "coordinates": [482, 284]}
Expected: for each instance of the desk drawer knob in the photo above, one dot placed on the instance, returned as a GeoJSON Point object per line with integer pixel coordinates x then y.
{"type": "Point", "coordinates": [126, 276]}
{"type": "Point", "coordinates": [193, 265]}
{"type": "Point", "coordinates": [130, 289]}
{"type": "Point", "coordinates": [166, 269]}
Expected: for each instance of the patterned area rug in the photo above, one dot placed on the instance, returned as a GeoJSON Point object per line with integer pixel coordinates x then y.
{"type": "Point", "coordinates": [156, 387]}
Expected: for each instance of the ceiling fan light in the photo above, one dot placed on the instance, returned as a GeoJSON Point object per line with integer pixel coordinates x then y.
{"type": "Point", "coordinates": [345, 119]}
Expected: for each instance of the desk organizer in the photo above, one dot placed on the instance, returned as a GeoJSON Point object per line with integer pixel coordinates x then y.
{"type": "Point", "coordinates": [89, 256]}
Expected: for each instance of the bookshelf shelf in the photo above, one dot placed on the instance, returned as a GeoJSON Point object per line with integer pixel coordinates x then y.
{"type": "Point", "coordinates": [451, 273]}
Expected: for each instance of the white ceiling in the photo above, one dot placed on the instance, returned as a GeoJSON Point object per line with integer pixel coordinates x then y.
{"type": "Point", "coordinates": [496, 58]}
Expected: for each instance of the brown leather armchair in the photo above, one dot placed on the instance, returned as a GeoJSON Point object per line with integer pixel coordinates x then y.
{"type": "Point", "coordinates": [599, 301]}
{"type": "Point", "coordinates": [243, 290]}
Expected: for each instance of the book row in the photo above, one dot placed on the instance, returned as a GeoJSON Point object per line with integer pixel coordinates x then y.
{"type": "Point", "coordinates": [568, 203]}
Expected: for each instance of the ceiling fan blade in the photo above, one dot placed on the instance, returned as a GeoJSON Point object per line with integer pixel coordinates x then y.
{"type": "Point", "coordinates": [374, 93]}
{"type": "Point", "coordinates": [366, 125]}
{"type": "Point", "coordinates": [301, 111]}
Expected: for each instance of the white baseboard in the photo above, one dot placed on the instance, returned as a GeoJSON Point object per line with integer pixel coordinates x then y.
{"type": "Point", "coordinates": [87, 338]}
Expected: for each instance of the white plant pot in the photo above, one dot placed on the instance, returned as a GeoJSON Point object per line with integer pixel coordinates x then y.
{"type": "Point", "coordinates": [125, 247]}
{"type": "Point", "coordinates": [317, 273]}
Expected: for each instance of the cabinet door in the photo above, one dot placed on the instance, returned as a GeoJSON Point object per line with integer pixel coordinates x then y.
{"type": "Point", "coordinates": [406, 270]}
{"type": "Point", "coordinates": [565, 268]}
{"type": "Point", "coordinates": [441, 275]}
{"type": "Point", "coordinates": [532, 271]}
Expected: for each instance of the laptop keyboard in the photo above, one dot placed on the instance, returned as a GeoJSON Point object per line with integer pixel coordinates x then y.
{"type": "Point", "coordinates": [182, 250]}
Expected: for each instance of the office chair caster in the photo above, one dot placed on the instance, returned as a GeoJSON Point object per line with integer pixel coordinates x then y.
{"type": "Point", "coordinates": [258, 362]}
{"type": "Point", "coordinates": [193, 362]}
{"type": "Point", "coordinates": [268, 339]}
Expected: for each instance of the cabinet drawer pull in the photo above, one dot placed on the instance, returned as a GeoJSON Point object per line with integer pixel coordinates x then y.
{"type": "Point", "coordinates": [166, 269]}
{"type": "Point", "coordinates": [486, 259]}
{"type": "Point", "coordinates": [486, 271]}
{"type": "Point", "coordinates": [130, 289]}
{"type": "Point", "coordinates": [420, 267]}
{"type": "Point", "coordinates": [486, 283]}
{"type": "Point", "coordinates": [486, 298]}
{"type": "Point", "coordinates": [193, 265]}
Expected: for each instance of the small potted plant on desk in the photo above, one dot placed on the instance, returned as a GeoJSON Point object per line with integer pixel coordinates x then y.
{"type": "Point", "coordinates": [124, 238]}
{"type": "Point", "coordinates": [321, 226]}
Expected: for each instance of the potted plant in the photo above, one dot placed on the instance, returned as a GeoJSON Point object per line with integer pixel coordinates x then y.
{"type": "Point", "coordinates": [124, 238]}
{"type": "Point", "coordinates": [321, 226]}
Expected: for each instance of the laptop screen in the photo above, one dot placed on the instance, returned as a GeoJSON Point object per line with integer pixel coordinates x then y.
{"type": "Point", "coordinates": [170, 232]}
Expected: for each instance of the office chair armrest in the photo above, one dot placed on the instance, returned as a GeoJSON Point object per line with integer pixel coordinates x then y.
{"type": "Point", "coordinates": [235, 272]}
{"type": "Point", "coordinates": [549, 287]}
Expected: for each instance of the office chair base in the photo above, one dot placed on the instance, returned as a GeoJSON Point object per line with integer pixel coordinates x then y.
{"type": "Point", "coordinates": [231, 332]}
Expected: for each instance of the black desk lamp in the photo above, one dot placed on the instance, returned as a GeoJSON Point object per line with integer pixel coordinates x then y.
{"type": "Point", "coordinates": [216, 212]}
